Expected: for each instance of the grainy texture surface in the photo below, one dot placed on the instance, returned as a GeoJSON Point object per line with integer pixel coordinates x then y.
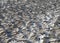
{"type": "Point", "coordinates": [29, 21]}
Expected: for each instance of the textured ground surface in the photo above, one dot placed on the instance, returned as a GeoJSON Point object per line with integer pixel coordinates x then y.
{"type": "Point", "coordinates": [29, 21]}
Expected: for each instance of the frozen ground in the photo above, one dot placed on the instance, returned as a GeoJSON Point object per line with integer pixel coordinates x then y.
{"type": "Point", "coordinates": [29, 21]}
